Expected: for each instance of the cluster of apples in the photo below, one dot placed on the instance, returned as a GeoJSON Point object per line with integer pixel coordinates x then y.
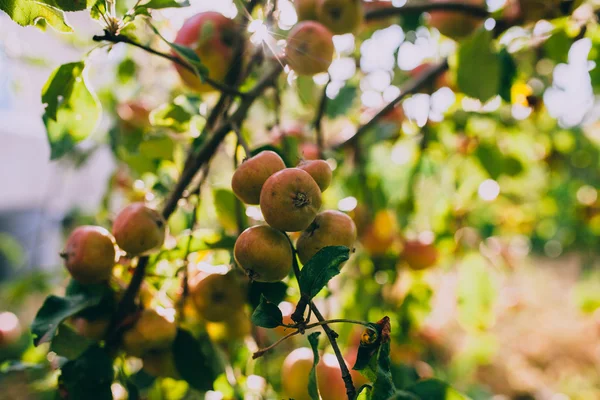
{"type": "Point", "coordinates": [290, 199]}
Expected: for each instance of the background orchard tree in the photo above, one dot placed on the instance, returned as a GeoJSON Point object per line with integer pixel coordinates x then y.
{"type": "Point", "coordinates": [376, 171]}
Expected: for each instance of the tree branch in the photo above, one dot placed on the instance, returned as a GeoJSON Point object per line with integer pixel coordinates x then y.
{"type": "Point", "coordinates": [317, 123]}
{"type": "Point", "coordinates": [419, 8]}
{"type": "Point", "coordinates": [410, 87]}
{"type": "Point", "coordinates": [109, 37]}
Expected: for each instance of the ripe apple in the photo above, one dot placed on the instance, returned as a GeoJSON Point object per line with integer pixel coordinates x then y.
{"type": "Point", "coordinates": [309, 48]}
{"type": "Point", "coordinates": [213, 37]}
{"type": "Point", "coordinates": [139, 229]}
{"type": "Point", "coordinates": [419, 255]}
{"type": "Point", "coordinates": [294, 373]}
{"type": "Point", "coordinates": [10, 329]}
{"type": "Point", "coordinates": [89, 254]}
{"type": "Point", "coordinates": [455, 24]}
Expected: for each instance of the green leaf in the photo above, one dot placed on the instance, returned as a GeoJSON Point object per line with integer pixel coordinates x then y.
{"type": "Point", "coordinates": [171, 116]}
{"type": "Point", "coordinates": [476, 293]}
{"type": "Point", "coordinates": [275, 292]}
{"type": "Point", "coordinates": [267, 314]}
{"type": "Point", "coordinates": [496, 163]}
{"type": "Point", "coordinates": [434, 389]}
{"type": "Point", "coordinates": [508, 74]}
{"type": "Point", "coordinates": [319, 270]}
{"type": "Point", "coordinates": [342, 102]}
{"type": "Point", "coordinates": [225, 206]}
{"type": "Point", "coordinates": [31, 12]}
{"type": "Point", "coordinates": [89, 376]}
{"type": "Point", "coordinates": [306, 90]}
{"type": "Point", "coordinates": [126, 70]}
{"type": "Point", "coordinates": [478, 73]}
{"type": "Point", "coordinates": [313, 389]}
{"type": "Point", "coordinates": [383, 386]}
{"type": "Point", "coordinates": [72, 110]}
{"type": "Point", "coordinates": [56, 309]}
{"type": "Point", "coordinates": [67, 343]}
{"type": "Point", "coordinates": [196, 360]}
{"type": "Point", "coordinates": [159, 4]}
{"type": "Point", "coordinates": [98, 9]}
{"type": "Point", "coordinates": [158, 148]}
{"type": "Point", "coordinates": [404, 395]}
{"type": "Point", "coordinates": [188, 55]}
{"type": "Point", "coordinates": [71, 5]}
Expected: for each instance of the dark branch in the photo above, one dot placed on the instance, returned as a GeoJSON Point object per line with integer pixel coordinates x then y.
{"type": "Point", "coordinates": [109, 37]}
{"type": "Point", "coordinates": [411, 87]}
{"type": "Point", "coordinates": [386, 12]}
{"type": "Point", "coordinates": [317, 123]}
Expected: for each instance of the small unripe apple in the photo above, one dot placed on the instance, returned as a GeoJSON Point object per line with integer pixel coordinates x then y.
{"type": "Point", "coordinates": [217, 296]}
{"type": "Point", "coordinates": [91, 329]}
{"type": "Point", "coordinates": [10, 329]}
{"type": "Point", "coordinates": [319, 170]}
{"type": "Point", "coordinates": [455, 24]}
{"type": "Point", "coordinates": [150, 332]}
{"type": "Point", "coordinates": [309, 48]}
{"type": "Point", "coordinates": [340, 16]}
{"type": "Point", "coordinates": [249, 178]}
{"type": "Point", "coordinates": [330, 228]}
{"type": "Point", "coordinates": [290, 200]}
{"type": "Point", "coordinates": [160, 363]}
{"type": "Point", "coordinates": [306, 9]}
{"type": "Point", "coordinates": [89, 254]}
{"type": "Point", "coordinates": [419, 255]}
{"type": "Point", "coordinates": [294, 373]}
{"type": "Point", "coordinates": [264, 253]}
{"type": "Point", "coordinates": [138, 229]}
{"type": "Point", "coordinates": [213, 37]}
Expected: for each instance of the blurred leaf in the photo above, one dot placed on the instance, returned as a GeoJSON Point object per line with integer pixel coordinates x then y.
{"type": "Point", "coordinates": [56, 309]}
{"type": "Point", "coordinates": [186, 54]}
{"type": "Point", "coordinates": [72, 110]}
{"type": "Point", "coordinates": [496, 163]}
{"type": "Point", "coordinates": [71, 5]}
{"type": "Point", "coordinates": [89, 376]}
{"type": "Point", "coordinates": [267, 314]}
{"type": "Point", "coordinates": [434, 389]}
{"type": "Point", "coordinates": [342, 102]}
{"type": "Point", "coordinates": [142, 380]}
{"type": "Point", "coordinates": [508, 74]}
{"type": "Point", "coordinates": [67, 343]}
{"type": "Point", "coordinates": [158, 148]}
{"type": "Point", "coordinates": [415, 306]}
{"type": "Point", "coordinates": [313, 390]}
{"type": "Point", "coordinates": [160, 4]}
{"type": "Point", "coordinates": [225, 205]}
{"type": "Point", "coordinates": [476, 293]}
{"type": "Point", "coordinates": [306, 90]}
{"type": "Point", "coordinates": [557, 46]}
{"type": "Point", "coordinates": [172, 116]}
{"type": "Point", "coordinates": [275, 292]}
{"type": "Point", "coordinates": [478, 66]}
{"type": "Point", "coordinates": [196, 360]}
{"type": "Point", "coordinates": [369, 344]}
{"type": "Point", "coordinates": [126, 70]}
{"type": "Point", "coordinates": [31, 12]}
{"type": "Point", "coordinates": [319, 270]}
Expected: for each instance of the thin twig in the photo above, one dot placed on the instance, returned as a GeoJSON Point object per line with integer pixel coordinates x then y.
{"type": "Point", "coordinates": [261, 352]}
{"type": "Point", "coordinates": [411, 87]}
{"type": "Point", "coordinates": [419, 8]}
{"type": "Point", "coordinates": [241, 140]}
{"type": "Point", "coordinates": [109, 37]}
{"type": "Point", "coordinates": [318, 121]}
{"type": "Point", "coordinates": [331, 334]}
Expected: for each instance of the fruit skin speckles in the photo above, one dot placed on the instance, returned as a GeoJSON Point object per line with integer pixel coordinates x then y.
{"type": "Point", "coordinates": [139, 229]}
{"type": "Point", "coordinates": [290, 200]}
{"type": "Point", "coordinates": [89, 254]}
{"type": "Point", "coordinates": [263, 253]}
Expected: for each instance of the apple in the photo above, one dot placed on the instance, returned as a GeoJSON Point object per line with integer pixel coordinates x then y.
{"type": "Point", "coordinates": [455, 24]}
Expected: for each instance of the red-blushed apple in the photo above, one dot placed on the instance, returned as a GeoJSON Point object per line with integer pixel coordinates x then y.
{"type": "Point", "coordinates": [213, 37]}
{"type": "Point", "coordinates": [139, 229]}
{"type": "Point", "coordinates": [419, 255]}
{"type": "Point", "coordinates": [309, 48]}
{"type": "Point", "coordinates": [340, 16]}
{"type": "Point", "coordinates": [89, 254]}
{"type": "Point", "coordinates": [294, 373]}
{"type": "Point", "coordinates": [455, 24]}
